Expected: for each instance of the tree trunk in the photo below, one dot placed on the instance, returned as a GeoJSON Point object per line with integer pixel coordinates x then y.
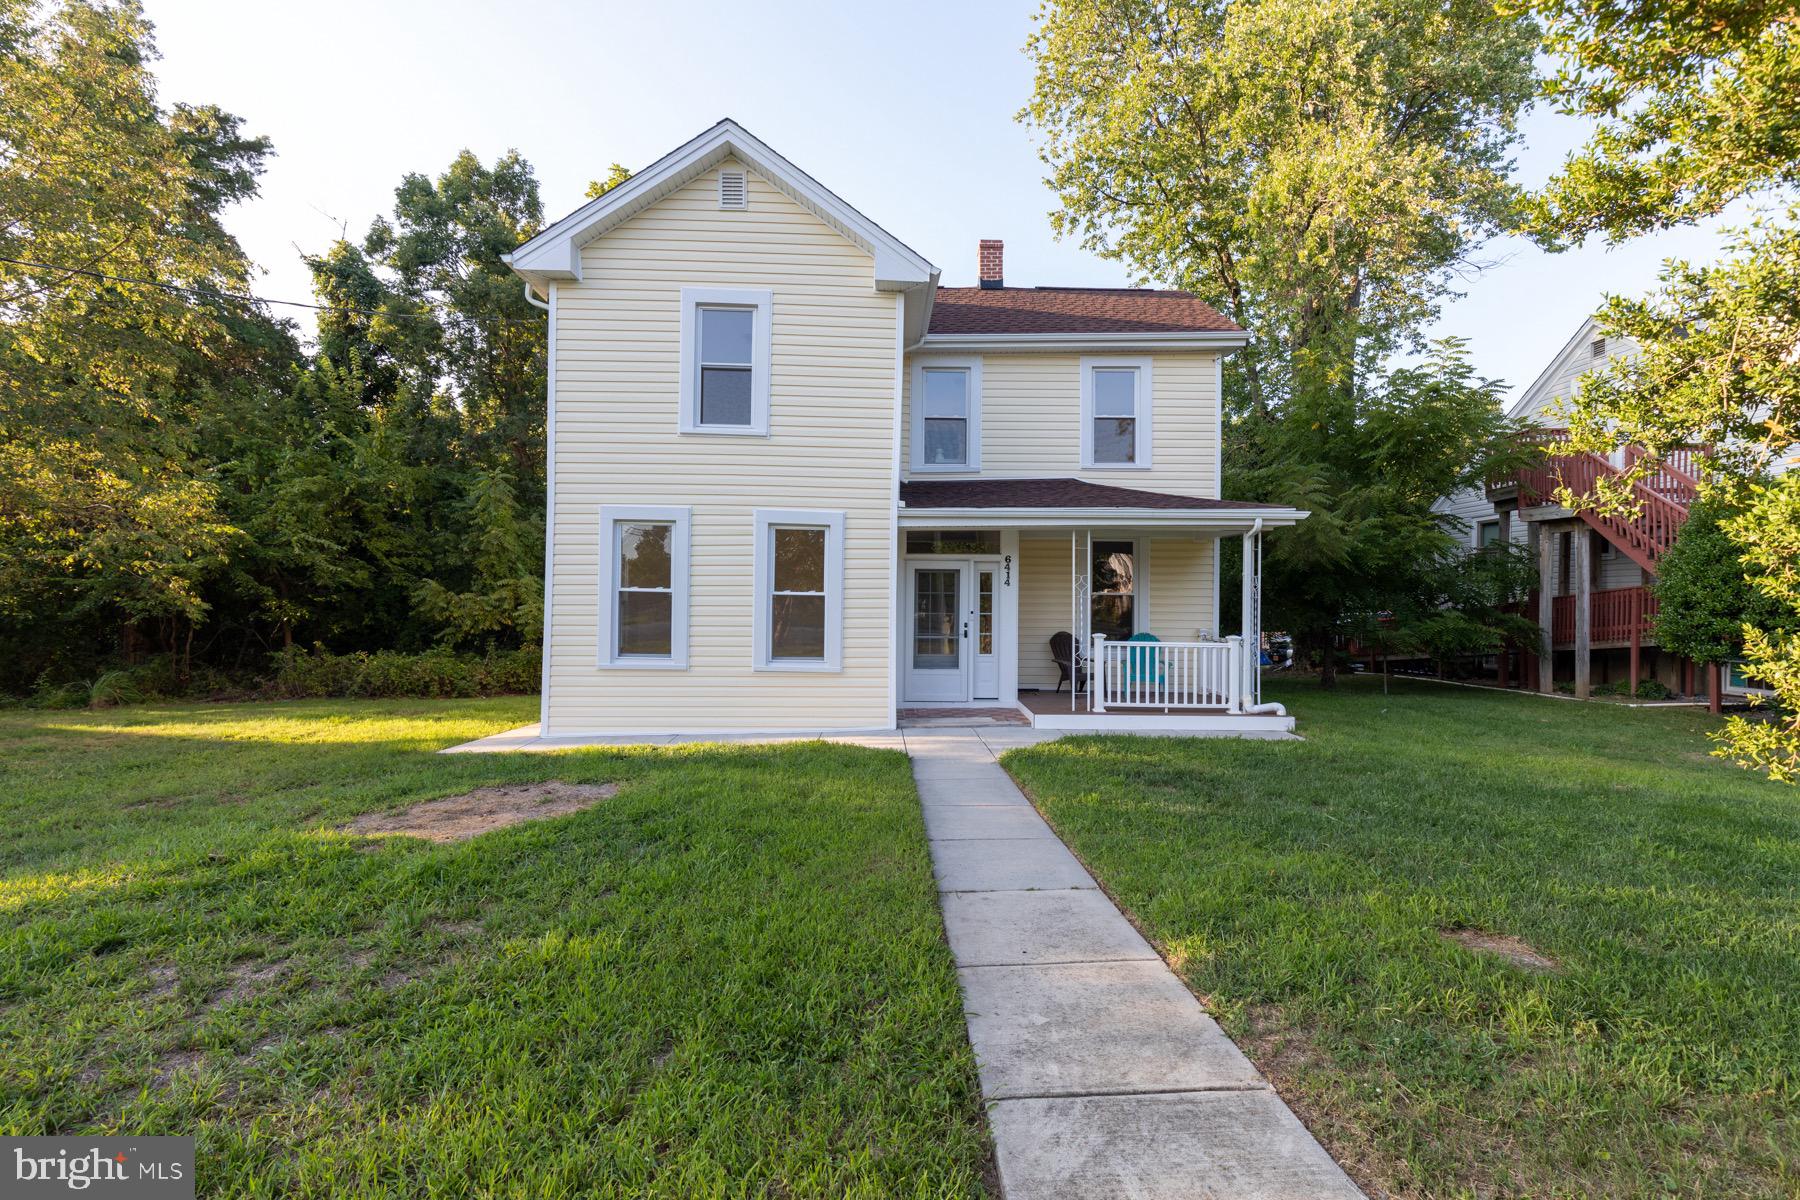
{"type": "Point", "coordinates": [1327, 659]}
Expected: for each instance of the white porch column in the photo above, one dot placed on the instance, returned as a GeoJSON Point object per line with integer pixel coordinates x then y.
{"type": "Point", "coordinates": [1250, 685]}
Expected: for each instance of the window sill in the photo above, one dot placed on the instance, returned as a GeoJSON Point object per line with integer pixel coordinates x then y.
{"type": "Point", "coordinates": [946, 468]}
{"type": "Point", "coordinates": [800, 668]}
{"type": "Point", "coordinates": [642, 664]}
{"type": "Point", "coordinates": [1116, 467]}
{"type": "Point", "coordinates": [724, 430]}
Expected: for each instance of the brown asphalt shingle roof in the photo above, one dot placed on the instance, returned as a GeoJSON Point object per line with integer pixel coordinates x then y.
{"type": "Point", "coordinates": [1073, 310]}
{"type": "Point", "coordinates": [1047, 493]}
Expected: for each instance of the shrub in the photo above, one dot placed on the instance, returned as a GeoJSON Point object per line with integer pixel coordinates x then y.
{"type": "Point", "coordinates": [59, 695]}
{"type": "Point", "coordinates": [113, 688]}
{"type": "Point", "coordinates": [433, 674]}
{"type": "Point", "coordinates": [1652, 689]}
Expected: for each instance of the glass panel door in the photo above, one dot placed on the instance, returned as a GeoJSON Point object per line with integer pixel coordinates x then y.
{"type": "Point", "coordinates": [937, 642]}
{"type": "Point", "coordinates": [937, 661]}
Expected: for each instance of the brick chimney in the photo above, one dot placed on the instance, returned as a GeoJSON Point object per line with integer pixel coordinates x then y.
{"type": "Point", "coordinates": [993, 270]}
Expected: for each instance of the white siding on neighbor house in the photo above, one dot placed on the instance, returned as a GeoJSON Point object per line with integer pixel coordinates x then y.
{"type": "Point", "coordinates": [1470, 507]}
{"type": "Point", "coordinates": [1542, 402]}
{"type": "Point", "coordinates": [1031, 421]}
{"type": "Point", "coordinates": [830, 446]}
{"type": "Point", "coordinates": [1178, 604]}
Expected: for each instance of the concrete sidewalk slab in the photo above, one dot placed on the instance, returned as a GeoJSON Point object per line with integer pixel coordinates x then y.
{"type": "Point", "coordinates": [1015, 929]}
{"type": "Point", "coordinates": [1095, 1029]}
{"type": "Point", "coordinates": [960, 790]}
{"type": "Point", "coordinates": [1006, 865]}
{"type": "Point", "coordinates": [1188, 1146]}
{"type": "Point", "coordinates": [964, 822]}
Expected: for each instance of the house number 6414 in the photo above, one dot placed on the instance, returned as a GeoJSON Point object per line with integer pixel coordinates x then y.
{"type": "Point", "coordinates": [1006, 580]}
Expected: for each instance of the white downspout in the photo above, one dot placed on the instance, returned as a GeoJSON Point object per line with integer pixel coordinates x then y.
{"type": "Point", "coordinates": [1253, 625]}
{"type": "Point", "coordinates": [533, 300]}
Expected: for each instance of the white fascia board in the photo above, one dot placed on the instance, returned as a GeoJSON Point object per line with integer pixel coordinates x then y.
{"type": "Point", "coordinates": [1213, 519]}
{"type": "Point", "coordinates": [1097, 343]}
{"type": "Point", "coordinates": [556, 252]}
{"type": "Point", "coordinates": [1528, 398]}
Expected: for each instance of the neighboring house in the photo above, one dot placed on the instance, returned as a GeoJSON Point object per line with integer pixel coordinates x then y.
{"type": "Point", "coordinates": [1595, 596]}
{"type": "Point", "coordinates": [795, 485]}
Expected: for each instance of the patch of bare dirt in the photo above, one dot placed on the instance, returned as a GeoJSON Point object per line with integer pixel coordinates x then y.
{"type": "Point", "coordinates": [458, 818]}
{"type": "Point", "coordinates": [174, 1063]}
{"type": "Point", "coordinates": [162, 980]}
{"type": "Point", "coordinates": [1516, 951]}
{"type": "Point", "coordinates": [246, 979]}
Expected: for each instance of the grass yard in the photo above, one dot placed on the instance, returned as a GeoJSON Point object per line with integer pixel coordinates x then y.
{"type": "Point", "coordinates": [729, 979]}
{"type": "Point", "coordinates": [1305, 890]}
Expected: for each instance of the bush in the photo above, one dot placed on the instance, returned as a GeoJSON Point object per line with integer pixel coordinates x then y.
{"type": "Point", "coordinates": [113, 688]}
{"type": "Point", "coordinates": [1652, 689]}
{"type": "Point", "coordinates": [300, 674]}
{"type": "Point", "coordinates": [59, 695]}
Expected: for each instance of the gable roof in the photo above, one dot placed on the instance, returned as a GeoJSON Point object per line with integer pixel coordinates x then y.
{"type": "Point", "coordinates": [1073, 310]}
{"type": "Point", "coordinates": [1559, 378]}
{"type": "Point", "coordinates": [556, 252]}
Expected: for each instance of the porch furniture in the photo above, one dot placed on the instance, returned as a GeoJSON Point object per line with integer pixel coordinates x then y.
{"type": "Point", "coordinates": [1062, 649]}
{"type": "Point", "coordinates": [1143, 666]}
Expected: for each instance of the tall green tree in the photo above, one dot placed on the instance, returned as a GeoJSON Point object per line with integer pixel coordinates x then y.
{"type": "Point", "coordinates": [1319, 170]}
{"type": "Point", "coordinates": [1694, 105]}
{"type": "Point", "coordinates": [107, 517]}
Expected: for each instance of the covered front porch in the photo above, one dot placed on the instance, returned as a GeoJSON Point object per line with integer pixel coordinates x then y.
{"type": "Point", "coordinates": [1081, 606]}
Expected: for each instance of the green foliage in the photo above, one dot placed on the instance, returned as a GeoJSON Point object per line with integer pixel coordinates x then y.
{"type": "Point", "coordinates": [1314, 170]}
{"type": "Point", "coordinates": [1703, 598]}
{"type": "Point", "coordinates": [1694, 105]}
{"type": "Point", "coordinates": [178, 480]}
{"type": "Point", "coordinates": [1652, 689]}
{"type": "Point", "coordinates": [300, 674]}
{"type": "Point", "coordinates": [1369, 464]}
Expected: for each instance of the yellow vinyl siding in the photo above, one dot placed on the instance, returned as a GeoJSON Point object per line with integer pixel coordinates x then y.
{"type": "Point", "coordinates": [830, 446]}
{"type": "Point", "coordinates": [1031, 422]}
{"type": "Point", "coordinates": [1178, 593]}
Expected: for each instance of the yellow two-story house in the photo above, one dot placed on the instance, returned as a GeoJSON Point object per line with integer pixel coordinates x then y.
{"type": "Point", "coordinates": [795, 485]}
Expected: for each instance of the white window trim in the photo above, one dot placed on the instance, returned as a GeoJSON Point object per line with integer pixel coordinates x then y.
{"type": "Point", "coordinates": [1145, 390]}
{"type": "Point", "coordinates": [973, 367]}
{"type": "Point", "coordinates": [767, 520]}
{"type": "Point", "coordinates": [1482, 523]}
{"type": "Point", "coordinates": [611, 516]}
{"type": "Point", "coordinates": [692, 299]}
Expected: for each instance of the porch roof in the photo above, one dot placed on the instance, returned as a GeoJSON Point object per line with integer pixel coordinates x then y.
{"type": "Point", "coordinates": [1074, 502]}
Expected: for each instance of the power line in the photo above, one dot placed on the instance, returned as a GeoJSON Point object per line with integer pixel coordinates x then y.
{"type": "Point", "coordinates": [215, 294]}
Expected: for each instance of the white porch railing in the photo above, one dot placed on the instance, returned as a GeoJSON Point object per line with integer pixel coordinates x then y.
{"type": "Point", "coordinates": [1167, 675]}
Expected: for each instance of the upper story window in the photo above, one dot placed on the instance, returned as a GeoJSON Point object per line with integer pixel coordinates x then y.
{"type": "Point", "coordinates": [1115, 412]}
{"type": "Point", "coordinates": [1487, 533]}
{"type": "Point", "coordinates": [643, 586]}
{"type": "Point", "coordinates": [725, 360]}
{"type": "Point", "coordinates": [946, 415]}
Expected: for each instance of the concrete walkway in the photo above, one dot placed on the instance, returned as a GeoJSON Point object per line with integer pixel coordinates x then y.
{"type": "Point", "coordinates": [1103, 1075]}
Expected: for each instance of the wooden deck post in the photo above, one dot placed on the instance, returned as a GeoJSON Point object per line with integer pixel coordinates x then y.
{"type": "Point", "coordinates": [1546, 680]}
{"type": "Point", "coordinates": [1584, 604]}
{"type": "Point", "coordinates": [1715, 699]}
{"type": "Point", "coordinates": [1636, 641]}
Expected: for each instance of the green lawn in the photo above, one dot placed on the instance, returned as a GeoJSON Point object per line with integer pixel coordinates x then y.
{"type": "Point", "coordinates": [727, 980]}
{"type": "Point", "coordinates": [1302, 888]}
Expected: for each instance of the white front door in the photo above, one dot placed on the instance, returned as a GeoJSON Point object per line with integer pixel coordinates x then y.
{"type": "Point", "coordinates": [937, 646]}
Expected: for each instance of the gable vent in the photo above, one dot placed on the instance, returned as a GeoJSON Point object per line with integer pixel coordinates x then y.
{"type": "Point", "coordinates": [734, 190]}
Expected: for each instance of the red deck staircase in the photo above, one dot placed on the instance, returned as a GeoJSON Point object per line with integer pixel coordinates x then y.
{"type": "Point", "coordinates": [1662, 498]}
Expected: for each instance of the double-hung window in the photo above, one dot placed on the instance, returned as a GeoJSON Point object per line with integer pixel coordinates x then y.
{"type": "Point", "coordinates": [643, 586]}
{"type": "Point", "coordinates": [1115, 412]}
{"type": "Point", "coordinates": [725, 339]}
{"type": "Point", "coordinates": [799, 590]}
{"type": "Point", "coordinates": [946, 408]}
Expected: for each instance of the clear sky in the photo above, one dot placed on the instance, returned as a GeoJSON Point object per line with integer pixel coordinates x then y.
{"type": "Point", "coordinates": [906, 111]}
